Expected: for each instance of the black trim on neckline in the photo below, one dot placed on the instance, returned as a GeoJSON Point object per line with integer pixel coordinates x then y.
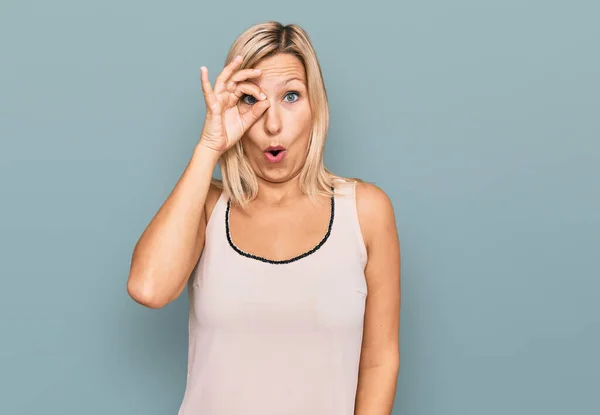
{"type": "Point", "coordinates": [282, 261]}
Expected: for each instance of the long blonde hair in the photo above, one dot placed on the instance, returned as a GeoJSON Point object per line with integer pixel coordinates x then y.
{"type": "Point", "coordinates": [254, 44]}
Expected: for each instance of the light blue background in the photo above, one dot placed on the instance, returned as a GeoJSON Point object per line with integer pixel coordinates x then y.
{"type": "Point", "coordinates": [480, 119]}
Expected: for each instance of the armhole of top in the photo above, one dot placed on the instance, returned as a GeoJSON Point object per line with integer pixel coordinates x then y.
{"type": "Point", "coordinates": [216, 209]}
{"type": "Point", "coordinates": [357, 230]}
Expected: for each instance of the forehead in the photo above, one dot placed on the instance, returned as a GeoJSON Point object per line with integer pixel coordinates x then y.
{"type": "Point", "coordinates": [278, 69]}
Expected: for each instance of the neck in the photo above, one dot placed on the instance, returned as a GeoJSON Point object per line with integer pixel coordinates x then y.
{"type": "Point", "coordinates": [279, 194]}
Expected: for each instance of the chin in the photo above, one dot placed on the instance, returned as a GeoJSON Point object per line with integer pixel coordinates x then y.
{"type": "Point", "coordinates": [275, 177]}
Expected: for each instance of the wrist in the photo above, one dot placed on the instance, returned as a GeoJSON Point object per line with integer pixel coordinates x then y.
{"type": "Point", "coordinates": [206, 153]}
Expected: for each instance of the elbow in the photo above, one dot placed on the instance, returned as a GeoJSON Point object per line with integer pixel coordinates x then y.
{"type": "Point", "coordinates": [142, 293]}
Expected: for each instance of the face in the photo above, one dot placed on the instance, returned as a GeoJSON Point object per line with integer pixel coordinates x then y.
{"type": "Point", "coordinates": [285, 124]}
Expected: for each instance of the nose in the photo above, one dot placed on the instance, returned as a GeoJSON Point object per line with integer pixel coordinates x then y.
{"type": "Point", "coordinates": [273, 120]}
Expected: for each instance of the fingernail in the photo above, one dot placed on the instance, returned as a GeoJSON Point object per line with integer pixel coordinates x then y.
{"type": "Point", "coordinates": [263, 96]}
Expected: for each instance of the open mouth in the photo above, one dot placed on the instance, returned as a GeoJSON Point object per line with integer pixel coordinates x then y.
{"type": "Point", "coordinates": [274, 154]}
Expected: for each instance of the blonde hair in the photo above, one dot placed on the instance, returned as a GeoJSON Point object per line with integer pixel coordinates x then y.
{"type": "Point", "coordinates": [254, 44]}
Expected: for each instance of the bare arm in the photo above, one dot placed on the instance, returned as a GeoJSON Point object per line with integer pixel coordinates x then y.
{"type": "Point", "coordinates": [380, 355]}
{"type": "Point", "coordinates": [170, 246]}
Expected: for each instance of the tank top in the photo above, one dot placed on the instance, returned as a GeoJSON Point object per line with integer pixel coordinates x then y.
{"type": "Point", "coordinates": [277, 337]}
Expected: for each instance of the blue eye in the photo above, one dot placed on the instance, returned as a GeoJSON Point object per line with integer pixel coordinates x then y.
{"type": "Point", "coordinates": [293, 93]}
{"type": "Point", "coordinates": [248, 96]}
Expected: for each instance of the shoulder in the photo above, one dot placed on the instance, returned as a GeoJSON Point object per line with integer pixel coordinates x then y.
{"type": "Point", "coordinates": [375, 211]}
{"type": "Point", "coordinates": [372, 202]}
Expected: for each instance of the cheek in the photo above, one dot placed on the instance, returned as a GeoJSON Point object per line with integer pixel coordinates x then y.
{"type": "Point", "coordinates": [301, 120]}
{"type": "Point", "coordinates": [249, 144]}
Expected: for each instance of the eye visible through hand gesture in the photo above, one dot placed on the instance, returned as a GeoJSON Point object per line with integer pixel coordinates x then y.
{"type": "Point", "coordinates": [225, 124]}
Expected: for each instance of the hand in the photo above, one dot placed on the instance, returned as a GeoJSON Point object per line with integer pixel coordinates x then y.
{"type": "Point", "coordinates": [225, 124]}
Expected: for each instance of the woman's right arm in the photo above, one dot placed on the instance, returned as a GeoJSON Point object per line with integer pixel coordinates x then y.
{"type": "Point", "coordinates": [170, 246]}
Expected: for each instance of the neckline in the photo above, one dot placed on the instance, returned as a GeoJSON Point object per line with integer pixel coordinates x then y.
{"type": "Point", "coordinates": [281, 261]}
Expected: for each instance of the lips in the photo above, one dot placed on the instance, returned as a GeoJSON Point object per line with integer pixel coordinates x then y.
{"type": "Point", "coordinates": [274, 154]}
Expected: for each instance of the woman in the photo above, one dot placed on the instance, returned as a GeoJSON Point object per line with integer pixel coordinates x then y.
{"type": "Point", "coordinates": [279, 256]}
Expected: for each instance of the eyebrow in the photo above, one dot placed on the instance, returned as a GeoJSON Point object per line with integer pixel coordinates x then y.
{"type": "Point", "coordinates": [290, 80]}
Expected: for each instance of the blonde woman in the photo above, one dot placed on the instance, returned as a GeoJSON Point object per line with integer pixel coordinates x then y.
{"type": "Point", "coordinates": [293, 272]}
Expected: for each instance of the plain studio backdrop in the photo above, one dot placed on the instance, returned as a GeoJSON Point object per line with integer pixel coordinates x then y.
{"type": "Point", "coordinates": [480, 119]}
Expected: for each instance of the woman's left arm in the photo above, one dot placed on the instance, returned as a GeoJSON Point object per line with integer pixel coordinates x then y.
{"type": "Point", "coordinates": [380, 353]}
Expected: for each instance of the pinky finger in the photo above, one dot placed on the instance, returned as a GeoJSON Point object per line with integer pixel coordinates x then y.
{"type": "Point", "coordinates": [206, 88]}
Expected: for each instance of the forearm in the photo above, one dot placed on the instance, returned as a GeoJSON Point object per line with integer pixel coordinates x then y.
{"type": "Point", "coordinates": [165, 253]}
{"type": "Point", "coordinates": [376, 389]}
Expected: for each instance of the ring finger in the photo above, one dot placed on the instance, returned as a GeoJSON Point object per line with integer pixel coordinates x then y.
{"type": "Point", "coordinates": [241, 75]}
{"type": "Point", "coordinates": [225, 74]}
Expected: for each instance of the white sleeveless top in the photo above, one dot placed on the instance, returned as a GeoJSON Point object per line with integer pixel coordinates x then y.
{"type": "Point", "coordinates": [277, 337]}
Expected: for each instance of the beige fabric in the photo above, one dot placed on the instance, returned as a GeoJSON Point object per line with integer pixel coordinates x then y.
{"type": "Point", "coordinates": [277, 339]}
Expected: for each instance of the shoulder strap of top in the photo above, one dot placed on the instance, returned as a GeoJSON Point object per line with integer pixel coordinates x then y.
{"type": "Point", "coordinates": [346, 215]}
{"type": "Point", "coordinates": [216, 221]}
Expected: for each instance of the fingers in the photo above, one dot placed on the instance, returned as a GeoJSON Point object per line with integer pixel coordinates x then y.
{"type": "Point", "coordinates": [206, 88]}
{"type": "Point", "coordinates": [226, 73]}
{"type": "Point", "coordinates": [241, 76]}
{"type": "Point", "coordinates": [230, 81]}
{"type": "Point", "coordinates": [244, 74]}
{"type": "Point", "coordinates": [247, 88]}
{"type": "Point", "coordinates": [249, 117]}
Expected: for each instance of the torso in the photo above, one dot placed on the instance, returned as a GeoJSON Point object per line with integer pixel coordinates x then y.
{"type": "Point", "coordinates": [281, 337]}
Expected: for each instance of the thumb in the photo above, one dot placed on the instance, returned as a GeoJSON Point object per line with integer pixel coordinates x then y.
{"type": "Point", "coordinates": [250, 117]}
